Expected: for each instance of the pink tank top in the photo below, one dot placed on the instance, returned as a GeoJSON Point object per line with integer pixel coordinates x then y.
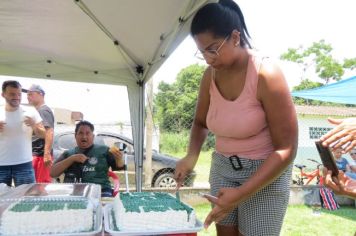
{"type": "Point", "coordinates": [240, 126]}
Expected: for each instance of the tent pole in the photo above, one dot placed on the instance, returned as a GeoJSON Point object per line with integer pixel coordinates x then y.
{"type": "Point", "coordinates": [141, 135]}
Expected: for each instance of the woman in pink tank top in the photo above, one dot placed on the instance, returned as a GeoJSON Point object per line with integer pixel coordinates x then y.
{"type": "Point", "coordinates": [246, 103]}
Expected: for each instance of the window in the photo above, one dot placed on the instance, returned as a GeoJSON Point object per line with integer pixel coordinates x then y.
{"type": "Point", "coordinates": [111, 141]}
{"type": "Point", "coordinates": [317, 132]}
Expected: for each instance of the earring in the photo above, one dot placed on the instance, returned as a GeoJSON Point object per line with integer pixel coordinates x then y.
{"type": "Point", "coordinates": [237, 44]}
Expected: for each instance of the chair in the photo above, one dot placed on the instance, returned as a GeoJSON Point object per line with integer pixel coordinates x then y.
{"type": "Point", "coordinates": [116, 181]}
{"type": "Point", "coordinates": [111, 174]}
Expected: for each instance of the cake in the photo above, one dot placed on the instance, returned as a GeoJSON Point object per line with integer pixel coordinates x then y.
{"type": "Point", "coordinates": [151, 211]}
{"type": "Point", "coordinates": [47, 216]}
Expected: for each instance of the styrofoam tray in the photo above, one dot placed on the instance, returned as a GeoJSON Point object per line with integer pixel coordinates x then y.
{"type": "Point", "coordinates": [52, 190]}
{"type": "Point", "coordinates": [109, 226]}
{"type": "Point", "coordinates": [98, 224]}
{"type": "Point", "coordinates": [58, 192]}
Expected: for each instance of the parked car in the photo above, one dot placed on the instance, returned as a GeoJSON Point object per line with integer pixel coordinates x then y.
{"type": "Point", "coordinates": [162, 165]}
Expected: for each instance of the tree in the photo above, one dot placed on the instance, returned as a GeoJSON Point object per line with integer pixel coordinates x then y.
{"type": "Point", "coordinates": [319, 56]}
{"type": "Point", "coordinates": [306, 84]}
{"type": "Point", "coordinates": [175, 103]}
{"type": "Point", "coordinates": [350, 63]}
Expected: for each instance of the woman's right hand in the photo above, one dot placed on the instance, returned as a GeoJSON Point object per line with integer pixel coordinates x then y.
{"type": "Point", "coordinates": [183, 168]}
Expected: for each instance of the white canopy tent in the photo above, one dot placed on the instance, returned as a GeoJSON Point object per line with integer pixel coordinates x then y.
{"type": "Point", "coordinates": [120, 42]}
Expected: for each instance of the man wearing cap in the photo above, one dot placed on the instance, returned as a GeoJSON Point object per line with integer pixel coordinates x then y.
{"type": "Point", "coordinates": [41, 148]}
{"type": "Point", "coordinates": [17, 123]}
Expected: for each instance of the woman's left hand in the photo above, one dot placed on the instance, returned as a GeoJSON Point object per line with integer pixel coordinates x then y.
{"type": "Point", "coordinates": [226, 201]}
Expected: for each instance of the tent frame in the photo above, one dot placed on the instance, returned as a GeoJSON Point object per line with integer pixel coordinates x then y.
{"type": "Point", "coordinates": [37, 60]}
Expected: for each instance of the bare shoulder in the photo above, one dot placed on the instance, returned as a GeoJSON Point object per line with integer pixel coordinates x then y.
{"type": "Point", "coordinates": [270, 70]}
{"type": "Point", "coordinates": [271, 79]}
{"type": "Point", "coordinates": [208, 75]}
{"type": "Point", "coordinates": [207, 78]}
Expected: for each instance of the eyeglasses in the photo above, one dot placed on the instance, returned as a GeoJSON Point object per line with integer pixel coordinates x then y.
{"type": "Point", "coordinates": [210, 53]}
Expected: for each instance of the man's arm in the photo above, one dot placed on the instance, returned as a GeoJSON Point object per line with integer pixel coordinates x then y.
{"type": "Point", "coordinates": [48, 122]}
{"type": "Point", "coordinates": [118, 158]}
{"type": "Point", "coordinates": [62, 163]}
{"type": "Point", "coordinates": [37, 128]}
{"type": "Point", "coordinates": [33, 119]}
{"type": "Point", "coordinates": [47, 157]}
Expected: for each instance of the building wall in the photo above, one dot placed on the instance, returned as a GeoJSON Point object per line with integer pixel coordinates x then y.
{"type": "Point", "coordinates": [308, 133]}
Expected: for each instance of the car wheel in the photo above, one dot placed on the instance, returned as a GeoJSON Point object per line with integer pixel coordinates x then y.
{"type": "Point", "coordinates": [165, 180]}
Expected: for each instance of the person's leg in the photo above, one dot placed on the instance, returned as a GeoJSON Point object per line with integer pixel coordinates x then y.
{"type": "Point", "coordinates": [5, 175]}
{"type": "Point", "coordinates": [35, 161]}
{"type": "Point", "coordinates": [225, 230]}
{"type": "Point", "coordinates": [264, 212]}
{"type": "Point", "coordinates": [23, 173]}
{"type": "Point", "coordinates": [42, 172]}
{"type": "Point", "coordinates": [220, 178]}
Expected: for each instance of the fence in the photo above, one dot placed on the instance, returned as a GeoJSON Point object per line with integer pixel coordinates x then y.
{"type": "Point", "coordinates": [169, 146]}
{"type": "Point", "coordinates": [312, 122]}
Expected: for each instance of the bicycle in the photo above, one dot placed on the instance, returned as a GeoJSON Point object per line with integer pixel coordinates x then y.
{"type": "Point", "coordinates": [302, 176]}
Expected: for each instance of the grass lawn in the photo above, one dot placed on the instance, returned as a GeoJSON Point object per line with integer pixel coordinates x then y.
{"type": "Point", "coordinates": [300, 221]}
{"type": "Point", "coordinates": [202, 167]}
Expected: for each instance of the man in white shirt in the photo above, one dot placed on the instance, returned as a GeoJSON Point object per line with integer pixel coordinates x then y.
{"type": "Point", "coordinates": [17, 123]}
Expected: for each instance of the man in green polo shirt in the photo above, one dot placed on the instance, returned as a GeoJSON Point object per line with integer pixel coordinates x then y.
{"type": "Point", "coordinates": [88, 162]}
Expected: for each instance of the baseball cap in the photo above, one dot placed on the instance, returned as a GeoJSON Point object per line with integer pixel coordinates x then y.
{"type": "Point", "coordinates": [34, 88]}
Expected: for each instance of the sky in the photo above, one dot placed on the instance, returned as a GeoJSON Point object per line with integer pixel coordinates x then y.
{"type": "Point", "coordinates": [274, 26]}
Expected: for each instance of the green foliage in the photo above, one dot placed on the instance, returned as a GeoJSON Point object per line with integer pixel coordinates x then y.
{"type": "Point", "coordinates": [293, 55]}
{"type": "Point", "coordinates": [306, 84]}
{"type": "Point", "coordinates": [172, 143]}
{"type": "Point", "coordinates": [175, 103]}
{"type": "Point", "coordinates": [209, 143]}
{"type": "Point", "coordinates": [319, 55]}
{"type": "Point", "coordinates": [318, 49]}
{"type": "Point", "coordinates": [326, 67]}
{"type": "Point", "coordinates": [350, 63]}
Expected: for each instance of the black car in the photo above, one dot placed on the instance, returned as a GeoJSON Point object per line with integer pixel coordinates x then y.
{"type": "Point", "coordinates": [162, 165]}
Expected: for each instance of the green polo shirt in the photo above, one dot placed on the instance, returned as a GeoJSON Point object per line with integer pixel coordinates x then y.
{"type": "Point", "coordinates": [95, 169]}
